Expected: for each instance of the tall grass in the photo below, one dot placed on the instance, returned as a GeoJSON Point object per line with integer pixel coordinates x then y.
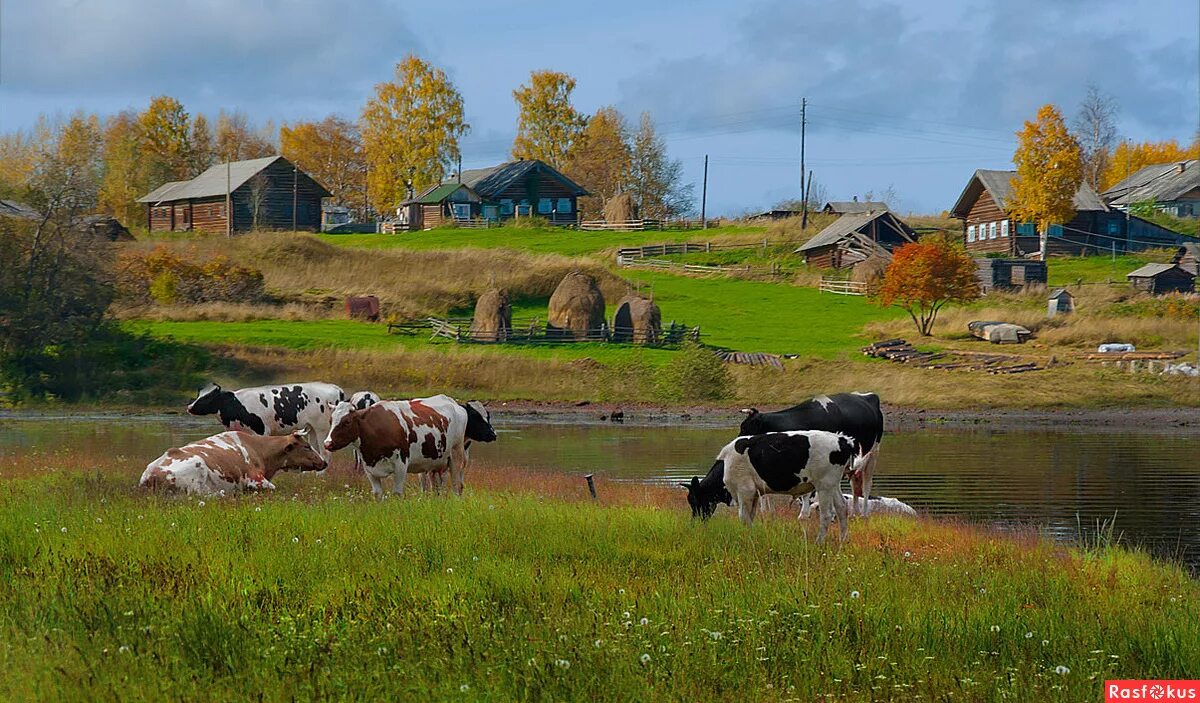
{"type": "Point", "coordinates": [513, 593]}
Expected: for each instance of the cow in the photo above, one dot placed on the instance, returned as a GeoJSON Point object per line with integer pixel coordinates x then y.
{"type": "Point", "coordinates": [273, 410]}
{"type": "Point", "coordinates": [363, 400]}
{"type": "Point", "coordinates": [231, 461]}
{"type": "Point", "coordinates": [479, 422]}
{"type": "Point", "coordinates": [793, 463]}
{"type": "Point", "coordinates": [881, 504]}
{"type": "Point", "coordinates": [398, 437]}
{"type": "Point", "coordinates": [856, 415]}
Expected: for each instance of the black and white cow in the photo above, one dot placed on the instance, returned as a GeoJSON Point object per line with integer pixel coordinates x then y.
{"type": "Point", "coordinates": [793, 463]}
{"type": "Point", "coordinates": [363, 400]}
{"type": "Point", "coordinates": [856, 415]}
{"type": "Point", "coordinates": [273, 410]}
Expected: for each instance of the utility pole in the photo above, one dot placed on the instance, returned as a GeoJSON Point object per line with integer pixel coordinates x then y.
{"type": "Point", "coordinates": [803, 189]}
{"type": "Point", "coordinates": [1128, 191]}
{"type": "Point", "coordinates": [804, 217]}
{"type": "Point", "coordinates": [294, 179]}
{"type": "Point", "coordinates": [704, 196]}
{"type": "Point", "coordinates": [228, 203]}
{"type": "Point", "coordinates": [460, 167]}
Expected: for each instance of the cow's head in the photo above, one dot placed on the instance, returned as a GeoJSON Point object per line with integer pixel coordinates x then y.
{"type": "Point", "coordinates": [344, 427]}
{"type": "Point", "coordinates": [298, 454]}
{"type": "Point", "coordinates": [703, 496]}
{"type": "Point", "coordinates": [753, 423]}
{"type": "Point", "coordinates": [479, 422]}
{"type": "Point", "coordinates": [208, 401]}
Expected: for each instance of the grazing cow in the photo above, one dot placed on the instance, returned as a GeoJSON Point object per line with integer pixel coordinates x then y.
{"type": "Point", "coordinates": [231, 461]}
{"type": "Point", "coordinates": [398, 437]}
{"type": "Point", "coordinates": [856, 415]}
{"type": "Point", "coordinates": [273, 410]}
{"type": "Point", "coordinates": [789, 463]}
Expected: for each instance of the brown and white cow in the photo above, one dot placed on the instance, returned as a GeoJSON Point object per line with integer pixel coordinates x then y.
{"type": "Point", "coordinates": [231, 461]}
{"type": "Point", "coordinates": [399, 437]}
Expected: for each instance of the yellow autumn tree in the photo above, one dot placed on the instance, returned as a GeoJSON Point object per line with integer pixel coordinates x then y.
{"type": "Point", "coordinates": [123, 182]}
{"type": "Point", "coordinates": [203, 151]}
{"type": "Point", "coordinates": [1128, 157]}
{"type": "Point", "coordinates": [165, 142]}
{"type": "Point", "coordinates": [1049, 170]}
{"type": "Point", "coordinates": [331, 152]}
{"type": "Point", "coordinates": [410, 131]}
{"type": "Point", "coordinates": [547, 124]}
{"type": "Point", "coordinates": [601, 160]}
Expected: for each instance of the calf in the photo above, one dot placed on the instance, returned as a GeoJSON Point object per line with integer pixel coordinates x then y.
{"type": "Point", "coordinates": [856, 415]}
{"type": "Point", "coordinates": [273, 410]}
{"type": "Point", "coordinates": [790, 463]}
{"type": "Point", "coordinates": [398, 437]}
{"type": "Point", "coordinates": [231, 461]}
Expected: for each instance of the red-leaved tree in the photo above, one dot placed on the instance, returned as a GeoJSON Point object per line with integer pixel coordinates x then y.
{"type": "Point", "coordinates": [924, 276]}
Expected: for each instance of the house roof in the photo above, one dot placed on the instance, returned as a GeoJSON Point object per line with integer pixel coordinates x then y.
{"type": "Point", "coordinates": [844, 226]}
{"type": "Point", "coordinates": [999, 185]}
{"type": "Point", "coordinates": [1060, 292]}
{"type": "Point", "coordinates": [214, 181]}
{"type": "Point", "coordinates": [1158, 182]}
{"type": "Point", "coordinates": [491, 181]}
{"type": "Point", "coordinates": [1152, 270]}
{"type": "Point", "coordinates": [852, 207]}
{"type": "Point", "coordinates": [440, 191]}
{"type": "Point", "coordinates": [13, 208]}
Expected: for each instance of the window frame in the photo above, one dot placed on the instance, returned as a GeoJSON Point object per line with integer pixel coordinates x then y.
{"type": "Point", "coordinates": [970, 233]}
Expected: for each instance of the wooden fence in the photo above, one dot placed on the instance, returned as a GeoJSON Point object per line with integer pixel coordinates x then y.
{"type": "Point", "coordinates": [535, 331]}
{"type": "Point", "coordinates": [842, 286]}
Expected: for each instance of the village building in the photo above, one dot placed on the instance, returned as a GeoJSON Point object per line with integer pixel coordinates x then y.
{"type": "Point", "coordinates": [525, 188]}
{"type": "Point", "coordinates": [442, 204]}
{"type": "Point", "coordinates": [1173, 188]}
{"type": "Point", "coordinates": [1157, 279]}
{"type": "Point", "coordinates": [852, 207]}
{"type": "Point", "coordinates": [266, 193]}
{"type": "Point", "coordinates": [988, 227]}
{"type": "Point", "coordinates": [851, 239]}
{"type": "Point", "coordinates": [1188, 258]}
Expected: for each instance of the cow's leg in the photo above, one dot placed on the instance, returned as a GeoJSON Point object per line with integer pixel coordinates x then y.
{"type": "Point", "coordinates": [842, 515]}
{"type": "Point", "coordinates": [376, 485]}
{"type": "Point", "coordinates": [399, 476]}
{"type": "Point", "coordinates": [458, 468]}
{"type": "Point", "coordinates": [747, 507]}
{"type": "Point", "coordinates": [868, 476]}
{"type": "Point", "coordinates": [855, 489]}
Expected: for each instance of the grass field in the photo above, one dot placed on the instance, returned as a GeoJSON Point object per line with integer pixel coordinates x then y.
{"type": "Point", "coordinates": [1069, 270]}
{"type": "Point", "coordinates": [523, 591]}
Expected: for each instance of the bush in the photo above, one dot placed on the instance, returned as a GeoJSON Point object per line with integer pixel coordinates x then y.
{"type": "Point", "coordinates": [695, 374]}
{"type": "Point", "coordinates": [164, 277]}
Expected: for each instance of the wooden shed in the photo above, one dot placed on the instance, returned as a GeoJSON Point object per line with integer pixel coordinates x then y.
{"type": "Point", "coordinates": [1060, 302]}
{"type": "Point", "coordinates": [443, 204]}
{"type": "Point", "coordinates": [267, 193]}
{"type": "Point", "coordinates": [525, 188]}
{"type": "Point", "coordinates": [1162, 278]}
{"type": "Point", "coordinates": [1005, 274]}
{"type": "Point", "coordinates": [854, 238]}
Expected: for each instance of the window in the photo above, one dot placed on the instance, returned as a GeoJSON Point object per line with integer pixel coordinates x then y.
{"type": "Point", "coordinates": [1114, 227]}
{"type": "Point", "coordinates": [492, 212]}
{"type": "Point", "coordinates": [1004, 228]}
{"type": "Point", "coordinates": [545, 206]}
{"type": "Point", "coordinates": [1026, 229]}
{"type": "Point", "coordinates": [564, 205]}
{"type": "Point", "coordinates": [991, 230]}
{"type": "Point", "coordinates": [1056, 230]}
{"type": "Point", "coordinates": [462, 211]}
{"type": "Point", "coordinates": [970, 233]}
{"type": "Point", "coordinates": [506, 206]}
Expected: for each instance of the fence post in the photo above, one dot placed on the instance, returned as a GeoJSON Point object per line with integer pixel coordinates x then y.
{"type": "Point", "coordinates": [707, 247]}
{"type": "Point", "coordinates": [592, 486]}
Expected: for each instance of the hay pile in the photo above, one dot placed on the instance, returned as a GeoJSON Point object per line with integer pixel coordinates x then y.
{"type": "Point", "coordinates": [493, 317]}
{"type": "Point", "coordinates": [870, 270]}
{"type": "Point", "coordinates": [620, 208]}
{"type": "Point", "coordinates": [576, 308]}
{"type": "Point", "coordinates": [637, 320]}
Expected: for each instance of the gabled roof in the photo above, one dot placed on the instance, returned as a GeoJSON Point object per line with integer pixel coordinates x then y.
{"type": "Point", "coordinates": [999, 185]}
{"type": "Point", "coordinates": [847, 225]}
{"type": "Point", "coordinates": [1152, 270]}
{"type": "Point", "coordinates": [490, 182]}
{"type": "Point", "coordinates": [853, 207]}
{"type": "Point", "coordinates": [215, 180]}
{"type": "Point", "coordinates": [440, 191]}
{"type": "Point", "coordinates": [1158, 182]}
{"type": "Point", "coordinates": [13, 208]}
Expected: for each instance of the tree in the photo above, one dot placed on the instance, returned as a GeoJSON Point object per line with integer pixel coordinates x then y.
{"type": "Point", "coordinates": [164, 141]}
{"type": "Point", "coordinates": [259, 187]}
{"type": "Point", "coordinates": [547, 124]}
{"type": "Point", "coordinates": [925, 276]}
{"type": "Point", "coordinates": [656, 180]}
{"type": "Point", "coordinates": [1095, 128]}
{"type": "Point", "coordinates": [237, 140]}
{"type": "Point", "coordinates": [1049, 171]}
{"type": "Point", "coordinates": [203, 150]}
{"type": "Point", "coordinates": [331, 152]}
{"type": "Point", "coordinates": [1128, 157]}
{"type": "Point", "coordinates": [601, 160]}
{"type": "Point", "coordinates": [410, 131]}
{"type": "Point", "coordinates": [123, 182]}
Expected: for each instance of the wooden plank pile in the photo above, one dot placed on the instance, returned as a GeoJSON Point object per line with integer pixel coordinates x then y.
{"type": "Point", "coordinates": [1131, 356]}
{"type": "Point", "coordinates": [751, 358]}
{"type": "Point", "coordinates": [901, 351]}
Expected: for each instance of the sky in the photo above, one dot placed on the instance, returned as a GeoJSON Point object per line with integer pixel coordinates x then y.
{"type": "Point", "coordinates": [906, 95]}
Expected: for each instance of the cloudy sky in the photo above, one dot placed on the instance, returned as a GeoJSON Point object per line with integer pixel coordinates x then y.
{"type": "Point", "coordinates": [912, 95]}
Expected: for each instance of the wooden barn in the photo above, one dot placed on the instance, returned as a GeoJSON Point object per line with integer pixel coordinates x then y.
{"type": "Point", "coordinates": [1173, 188]}
{"type": "Point", "coordinates": [1007, 274]}
{"type": "Point", "coordinates": [1162, 278]}
{"type": "Point", "coordinates": [853, 238]}
{"type": "Point", "coordinates": [988, 227]}
{"type": "Point", "coordinates": [267, 193]}
{"type": "Point", "coordinates": [445, 203]}
{"type": "Point", "coordinates": [526, 188]}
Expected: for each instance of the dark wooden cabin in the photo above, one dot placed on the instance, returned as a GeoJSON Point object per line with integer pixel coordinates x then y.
{"type": "Point", "coordinates": [526, 188]}
{"type": "Point", "coordinates": [853, 238]}
{"type": "Point", "coordinates": [988, 228]}
{"type": "Point", "coordinates": [262, 191]}
{"type": "Point", "coordinates": [1008, 274]}
{"type": "Point", "coordinates": [1162, 278]}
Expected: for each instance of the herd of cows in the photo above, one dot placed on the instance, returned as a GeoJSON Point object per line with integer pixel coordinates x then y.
{"type": "Point", "coordinates": [802, 451]}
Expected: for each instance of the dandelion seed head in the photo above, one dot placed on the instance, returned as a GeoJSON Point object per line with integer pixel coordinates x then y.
{"type": "Point", "coordinates": [854, 594]}
{"type": "Point", "coordinates": [449, 569]}
{"type": "Point", "coordinates": [64, 530]}
{"type": "Point", "coordinates": [715, 635]}
{"type": "Point", "coordinates": [645, 658]}
{"type": "Point", "coordinates": [562, 664]}
{"type": "Point", "coordinates": [644, 621]}
{"type": "Point", "coordinates": [1061, 670]}
{"type": "Point", "coordinates": [625, 615]}
{"type": "Point", "coordinates": [1028, 635]}
{"type": "Point", "coordinates": [124, 649]}
{"type": "Point", "coordinates": [995, 628]}
{"type": "Point", "coordinates": [295, 540]}
{"type": "Point", "coordinates": [464, 688]}
{"type": "Point", "coordinates": [200, 504]}
{"type": "Point", "coordinates": [597, 644]}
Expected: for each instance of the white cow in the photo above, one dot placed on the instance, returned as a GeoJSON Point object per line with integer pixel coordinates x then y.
{"type": "Point", "coordinates": [273, 410]}
{"type": "Point", "coordinates": [230, 462]}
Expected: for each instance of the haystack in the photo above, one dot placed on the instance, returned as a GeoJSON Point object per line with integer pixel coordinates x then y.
{"type": "Point", "coordinates": [637, 320]}
{"type": "Point", "coordinates": [871, 269]}
{"type": "Point", "coordinates": [620, 208]}
{"type": "Point", "coordinates": [493, 317]}
{"type": "Point", "coordinates": [576, 308]}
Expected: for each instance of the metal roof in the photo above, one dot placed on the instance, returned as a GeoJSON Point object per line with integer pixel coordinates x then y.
{"type": "Point", "coordinates": [999, 185]}
{"type": "Point", "coordinates": [1158, 182]}
{"type": "Point", "coordinates": [845, 226]}
{"type": "Point", "coordinates": [491, 181]}
{"type": "Point", "coordinates": [1152, 270]}
{"type": "Point", "coordinates": [13, 208]}
{"type": "Point", "coordinates": [214, 181]}
{"type": "Point", "coordinates": [853, 207]}
{"type": "Point", "coordinates": [438, 192]}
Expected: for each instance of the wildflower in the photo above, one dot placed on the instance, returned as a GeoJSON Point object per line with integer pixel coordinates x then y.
{"type": "Point", "coordinates": [381, 651]}
{"type": "Point", "coordinates": [449, 570]}
{"type": "Point", "coordinates": [1045, 642]}
{"type": "Point", "coordinates": [625, 615]}
{"type": "Point", "coordinates": [983, 591]}
{"type": "Point", "coordinates": [141, 516]}
{"type": "Point", "coordinates": [295, 540]}
{"type": "Point", "coordinates": [597, 644]}
{"type": "Point", "coordinates": [464, 688]}
{"type": "Point", "coordinates": [258, 508]}
{"type": "Point", "coordinates": [645, 658]}
{"type": "Point", "coordinates": [715, 635]}
{"type": "Point", "coordinates": [1028, 635]}
{"type": "Point", "coordinates": [645, 621]}
{"type": "Point", "coordinates": [995, 628]}
{"type": "Point", "coordinates": [200, 504]}
{"type": "Point", "coordinates": [854, 594]}
{"type": "Point", "coordinates": [562, 664]}
{"type": "Point", "coordinates": [318, 540]}
{"type": "Point", "coordinates": [64, 530]}
{"type": "Point", "coordinates": [128, 613]}
{"type": "Point", "coordinates": [98, 521]}
{"type": "Point", "coordinates": [124, 649]}
{"type": "Point", "coordinates": [621, 591]}
{"type": "Point", "coordinates": [1061, 670]}
{"type": "Point", "coordinates": [474, 558]}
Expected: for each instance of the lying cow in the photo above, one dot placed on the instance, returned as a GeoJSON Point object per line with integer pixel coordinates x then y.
{"type": "Point", "coordinates": [231, 461]}
{"type": "Point", "coordinates": [273, 410]}
{"type": "Point", "coordinates": [879, 504]}
{"type": "Point", "coordinates": [790, 463]}
{"type": "Point", "coordinates": [856, 415]}
{"type": "Point", "coordinates": [398, 437]}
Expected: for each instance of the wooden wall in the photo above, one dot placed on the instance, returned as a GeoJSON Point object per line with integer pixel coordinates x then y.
{"type": "Point", "coordinates": [275, 211]}
{"type": "Point", "coordinates": [535, 186]}
{"type": "Point", "coordinates": [985, 210]}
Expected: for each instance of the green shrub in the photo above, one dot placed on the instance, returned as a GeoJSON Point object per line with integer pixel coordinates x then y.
{"type": "Point", "coordinates": [695, 374]}
{"type": "Point", "coordinates": [164, 288]}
